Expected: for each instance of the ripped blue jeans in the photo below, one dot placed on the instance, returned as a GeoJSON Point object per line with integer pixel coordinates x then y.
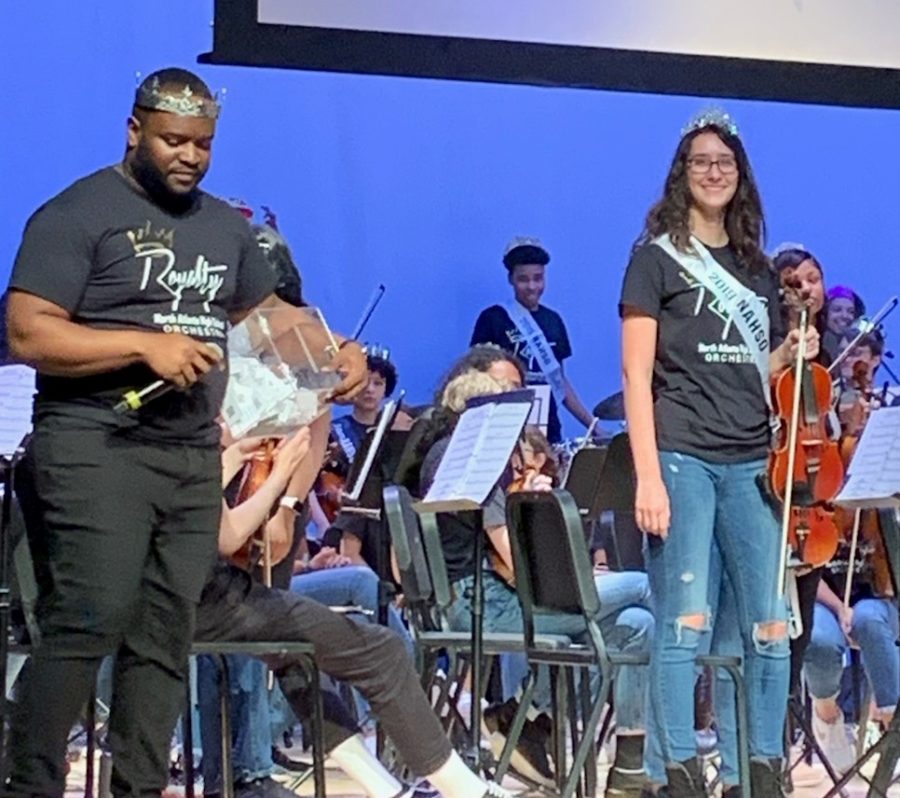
{"type": "Point", "coordinates": [717, 509]}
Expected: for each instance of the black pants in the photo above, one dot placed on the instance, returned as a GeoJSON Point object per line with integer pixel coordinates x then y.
{"type": "Point", "coordinates": [122, 535]}
{"type": "Point", "coordinates": [372, 658]}
{"type": "Point", "coordinates": [807, 587]}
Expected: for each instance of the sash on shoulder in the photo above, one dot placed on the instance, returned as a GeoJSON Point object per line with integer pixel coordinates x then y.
{"type": "Point", "coordinates": [742, 306]}
{"type": "Point", "coordinates": [539, 346]}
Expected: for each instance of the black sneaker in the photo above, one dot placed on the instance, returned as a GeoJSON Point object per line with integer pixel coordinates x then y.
{"type": "Point", "coordinates": [685, 780]}
{"type": "Point", "coordinates": [262, 788]}
{"type": "Point", "coordinates": [529, 759]}
{"type": "Point", "coordinates": [765, 778]}
{"type": "Point", "coordinates": [622, 783]}
{"type": "Point", "coordinates": [283, 761]}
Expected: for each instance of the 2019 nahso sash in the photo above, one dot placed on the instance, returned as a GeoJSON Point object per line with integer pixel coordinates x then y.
{"type": "Point", "coordinates": [741, 305]}
{"type": "Point", "coordinates": [539, 346]}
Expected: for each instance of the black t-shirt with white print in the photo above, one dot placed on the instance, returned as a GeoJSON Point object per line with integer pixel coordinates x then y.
{"type": "Point", "coordinates": [494, 326]}
{"type": "Point", "coordinates": [114, 259]}
{"type": "Point", "coordinates": [708, 399]}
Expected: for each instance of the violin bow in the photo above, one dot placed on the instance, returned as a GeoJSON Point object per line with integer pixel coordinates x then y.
{"type": "Point", "coordinates": [851, 559]}
{"type": "Point", "coordinates": [792, 450]}
{"type": "Point", "coordinates": [873, 324]}
{"type": "Point", "coordinates": [368, 311]}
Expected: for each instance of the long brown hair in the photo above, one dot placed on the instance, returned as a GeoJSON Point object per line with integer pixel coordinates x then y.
{"type": "Point", "coordinates": [744, 221]}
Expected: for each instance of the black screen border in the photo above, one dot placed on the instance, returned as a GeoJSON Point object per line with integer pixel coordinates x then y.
{"type": "Point", "coordinates": [241, 40]}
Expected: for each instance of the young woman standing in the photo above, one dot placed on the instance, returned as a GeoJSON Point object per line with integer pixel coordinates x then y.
{"type": "Point", "coordinates": [700, 310]}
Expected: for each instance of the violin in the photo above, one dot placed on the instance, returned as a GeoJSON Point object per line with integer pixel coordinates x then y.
{"type": "Point", "coordinates": [259, 550]}
{"type": "Point", "coordinates": [805, 468]}
{"type": "Point", "coordinates": [331, 481]}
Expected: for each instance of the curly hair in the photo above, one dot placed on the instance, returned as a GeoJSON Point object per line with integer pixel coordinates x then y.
{"type": "Point", "coordinates": [744, 220]}
{"type": "Point", "coordinates": [479, 358]}
{"type": "Point", "coordinates": [476, 361]}
{"type": "Point", "coordinates": [387, 370]}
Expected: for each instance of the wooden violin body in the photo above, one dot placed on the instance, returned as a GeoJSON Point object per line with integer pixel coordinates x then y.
{"type": "Point", "coordinates": [332, 480]}
{"type": "Point", "coordinates": [805, 469]}
{"type": "Point", "coordinates": [818, 469]}
{"type": "Point", "coordinates": [259, 549]}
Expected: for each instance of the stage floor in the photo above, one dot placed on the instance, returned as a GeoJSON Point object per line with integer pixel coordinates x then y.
{"type": "Point", "coordinates": [338, 786]}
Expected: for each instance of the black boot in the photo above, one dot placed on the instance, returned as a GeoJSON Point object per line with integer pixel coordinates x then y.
{"type": "Point", "coordinates": [766, 778]}
{"type": "Point", "coordinates": [685, 779]}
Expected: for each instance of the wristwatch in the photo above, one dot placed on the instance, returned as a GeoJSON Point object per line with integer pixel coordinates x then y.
{"type": "Point", "coordinates": [292, 503]}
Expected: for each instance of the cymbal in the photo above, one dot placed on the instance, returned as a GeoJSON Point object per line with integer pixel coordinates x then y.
{"type": "Point", "coordinates": [612, 408]}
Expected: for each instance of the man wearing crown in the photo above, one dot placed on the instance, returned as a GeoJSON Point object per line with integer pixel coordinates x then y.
{"type": "Point", "coordinates": [129, 276]}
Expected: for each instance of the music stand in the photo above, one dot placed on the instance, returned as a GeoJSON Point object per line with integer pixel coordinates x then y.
{"type": "Point", "coordinates": [476, 468]}
{"type": "Point", "coordinates": [16, 393]}
{"type": "Point", "coordinates": [372, 468]}
{"type": "Point", "coordinates": [601, 479]}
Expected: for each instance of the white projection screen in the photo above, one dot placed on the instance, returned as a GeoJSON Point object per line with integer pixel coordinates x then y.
{"type": "Point", "coordinates": [826, 51]}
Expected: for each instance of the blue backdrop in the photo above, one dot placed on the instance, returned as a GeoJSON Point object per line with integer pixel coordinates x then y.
{"type": "Point", "coordinates": [418, 183]}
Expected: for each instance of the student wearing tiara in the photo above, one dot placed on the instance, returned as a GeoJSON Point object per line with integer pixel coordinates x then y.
{"type": "Point", "coordinates": [533, 332]}
{"type": "Point", "coordinates": [701, 330]}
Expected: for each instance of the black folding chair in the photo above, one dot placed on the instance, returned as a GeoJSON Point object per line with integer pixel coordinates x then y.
{"type": "Point", "coordinates": [302, 654]}
{"type": "Point", "coordinates": [554, 575]}
{"type": "Point", "coordinates": [427, 593]}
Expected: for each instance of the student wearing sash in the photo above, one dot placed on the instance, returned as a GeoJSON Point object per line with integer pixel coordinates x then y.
{"type": "Point", "coordinates": [355, 537]}
{"type": "Point", "coordinates": [701, 316]}
{"type": "Point", "coordinates": [350, 429]}
{"type": "Point", "coordinates": [533, 332]}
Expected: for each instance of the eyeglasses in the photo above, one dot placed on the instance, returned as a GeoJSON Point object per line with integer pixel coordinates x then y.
{"type": "Point", "coordinates": [701, 164]}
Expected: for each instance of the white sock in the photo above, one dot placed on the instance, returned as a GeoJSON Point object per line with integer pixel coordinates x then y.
{"type": "Point", "coordinates": [362, 766]}
{"type": "Point", "coordinates": [453, 779]}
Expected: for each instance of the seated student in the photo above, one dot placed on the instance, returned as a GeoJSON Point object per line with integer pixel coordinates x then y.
{"type": "Point", "coordinates": [843, 307]}
{"type": "Point", "coordinates": [484, 370]}
{"type": "Point", "coordinates": [869, 620]}
{"type": "Point", "coordinates": [357, 537]}
{"type": "Point", "coordinates": [373, 659]}
{"type": "Point", "coordinates": [325, 579]}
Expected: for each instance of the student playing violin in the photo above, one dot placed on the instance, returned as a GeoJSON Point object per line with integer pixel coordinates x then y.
{"type": "Point", "coordinates": [856, 601]}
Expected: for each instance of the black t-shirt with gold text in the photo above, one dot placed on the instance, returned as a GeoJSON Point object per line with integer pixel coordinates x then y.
{"type": "Point", "coordinates": [114, 259]}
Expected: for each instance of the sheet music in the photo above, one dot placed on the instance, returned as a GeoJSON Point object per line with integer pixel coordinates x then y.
{"type": "Point", "coordinates": [479, 450]}
{"type": "Point", "coordinates": [874, 473]}
{"type": "Point", "coordinates": [16, 398]}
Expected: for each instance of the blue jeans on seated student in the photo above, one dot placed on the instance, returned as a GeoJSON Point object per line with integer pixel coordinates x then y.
{"type": "Point", "coordinates": [717, 510]}
{"type": "Point", "coordinates": [626, 625]}
{"type": "Point", "coordinates": [875, 628]}
{"type": "Point", "coordinates": [250, 732]}
{"type": "Point", "coordinates": [350, 586]}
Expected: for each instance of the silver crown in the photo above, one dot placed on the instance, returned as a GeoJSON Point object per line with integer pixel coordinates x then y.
{"type": "Point", "coordinates": [181, 103]}
{"type": "Point", "coordinates": [377, 350]}
{"type": "Point", "coordinates": [711, 117]}
{"type": "Point", "coordinates": [523, 241]}
{"type": "Point", "coordinates": [787, 246]}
